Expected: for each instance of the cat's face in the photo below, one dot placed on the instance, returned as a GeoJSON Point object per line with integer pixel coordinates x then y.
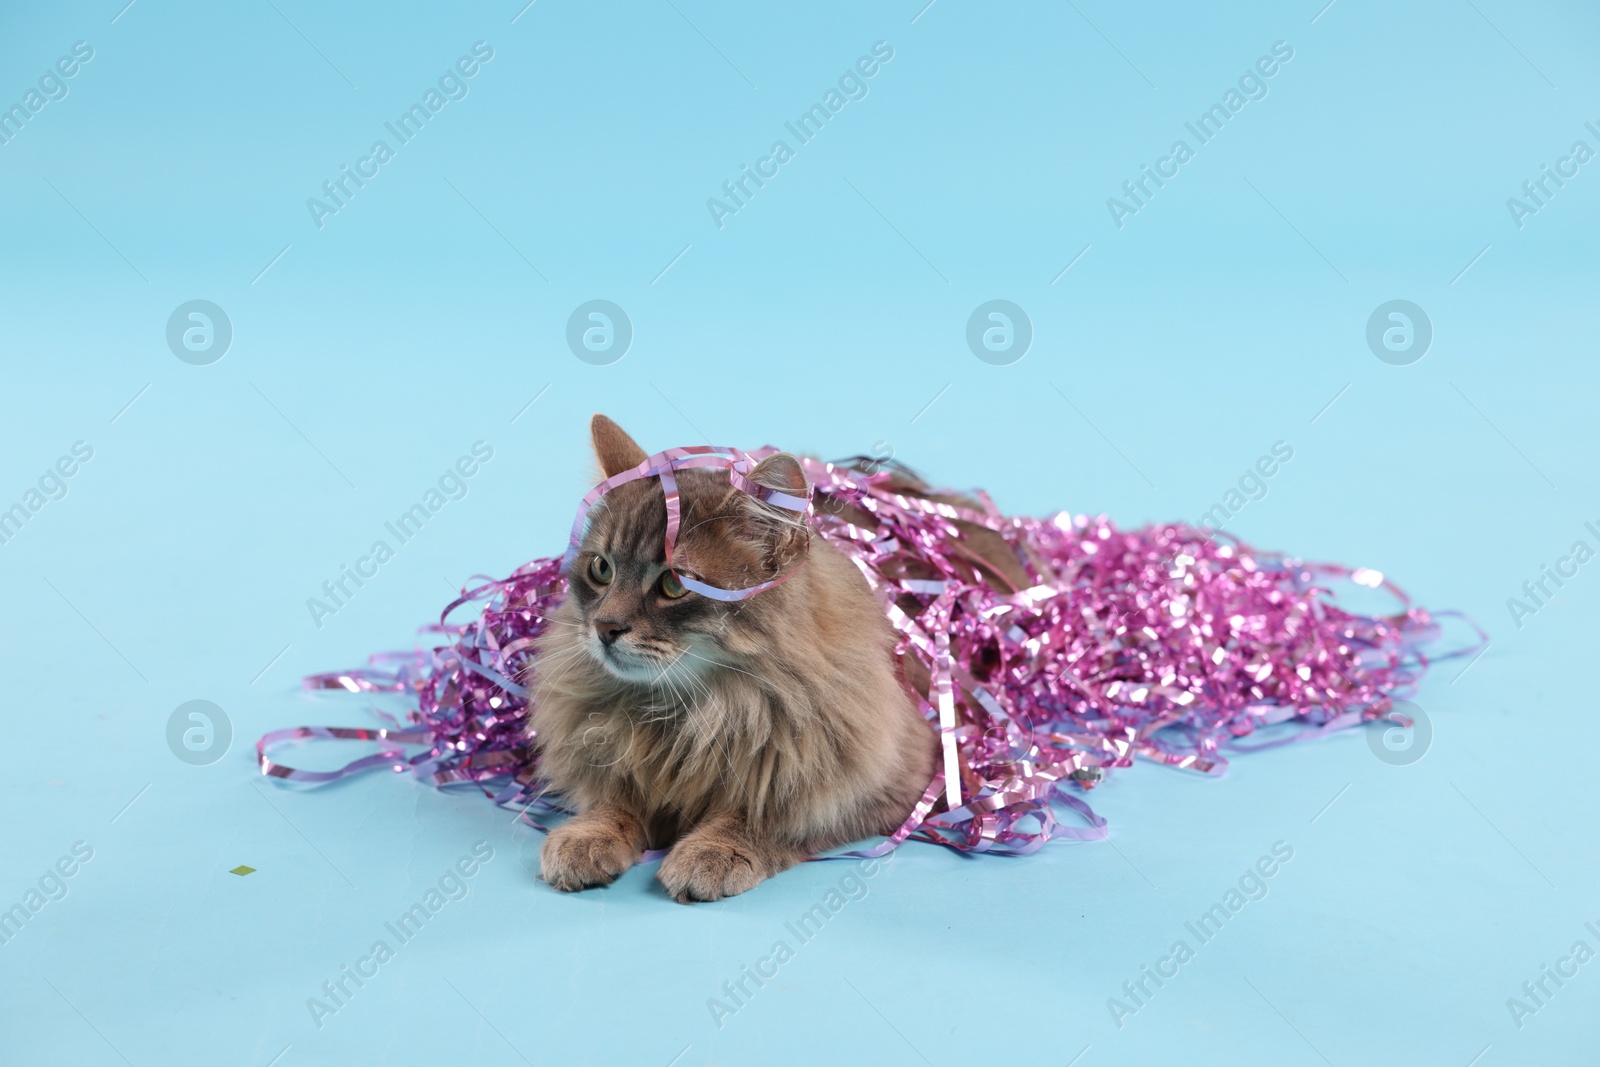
{"type": "Point", "coordinates": [634, 617]}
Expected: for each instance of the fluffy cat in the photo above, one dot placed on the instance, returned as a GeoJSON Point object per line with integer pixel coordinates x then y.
{"type": "Point", "coordinates": [742, 736]}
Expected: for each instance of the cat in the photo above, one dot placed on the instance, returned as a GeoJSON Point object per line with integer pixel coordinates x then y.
{"type": "Point", "coordinates": [741, 736]}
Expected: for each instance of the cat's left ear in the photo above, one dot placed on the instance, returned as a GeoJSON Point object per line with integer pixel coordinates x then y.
{"type": "Point", "coordinates": [785, 533]}
{"type": "Point", "coordinates": [780, 471]}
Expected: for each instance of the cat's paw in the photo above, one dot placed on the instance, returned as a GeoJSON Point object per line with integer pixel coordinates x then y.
{"type": "Point", "coordinates": [581, 855]}
{"type": "Point", "coordinates": [701, 869]}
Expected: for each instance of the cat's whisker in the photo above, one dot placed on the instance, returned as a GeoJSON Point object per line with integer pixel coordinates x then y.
{"type": "Point", "coordinates": [566, 660]}
{"type": "Point", "coordinates": [559, 656]}
{"type": "Point", "coordinates": [562, 658]}
{"type": "Point", "coordinates": [692, 707]}
{"type": "Point", "coordinates": [719, 663]}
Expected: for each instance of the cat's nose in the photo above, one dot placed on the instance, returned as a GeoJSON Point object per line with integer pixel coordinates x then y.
{"type": "Point", "coordinates": [609, 630]}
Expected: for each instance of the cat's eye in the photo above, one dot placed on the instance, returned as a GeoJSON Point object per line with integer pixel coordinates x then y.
{"type": "Point", "coordinates": [600, 570]}
{"type": "Point", "coordinates": [671, 588]}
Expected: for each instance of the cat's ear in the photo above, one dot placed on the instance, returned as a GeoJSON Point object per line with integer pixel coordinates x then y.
{"type": "Point", "coordinates": [780, 471]}
{"type": "Point", "coordinates": [782, 532]}
{"type": "Point", "coordinates": [615, 450]}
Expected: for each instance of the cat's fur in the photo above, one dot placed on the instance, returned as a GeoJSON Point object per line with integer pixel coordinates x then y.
{"type": "Point", "coordinates": [743, 736]}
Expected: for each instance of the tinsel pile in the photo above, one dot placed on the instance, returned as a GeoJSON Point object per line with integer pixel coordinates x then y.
{"type": "Point", "coordinates": [1164, 643]}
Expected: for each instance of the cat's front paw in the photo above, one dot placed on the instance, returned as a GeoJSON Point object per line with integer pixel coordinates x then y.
{"type": "Point", "coordinates": [587, 852]}
{"type": "Point", "coordinates": [701, 868]}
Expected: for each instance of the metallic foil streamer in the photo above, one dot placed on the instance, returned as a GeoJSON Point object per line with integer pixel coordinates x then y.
{"type": "Point", "coordinates": [1163, 643]}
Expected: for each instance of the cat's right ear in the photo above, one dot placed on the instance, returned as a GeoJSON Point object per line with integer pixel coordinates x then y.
{"type": "Point", "coordinates": [615, 450]}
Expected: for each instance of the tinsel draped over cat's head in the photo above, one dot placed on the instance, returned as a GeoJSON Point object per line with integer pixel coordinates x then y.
{"type": "Point", "coordinates": [720, 516]}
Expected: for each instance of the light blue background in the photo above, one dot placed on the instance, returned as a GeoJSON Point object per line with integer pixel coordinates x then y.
{"type": "Point", "coordinates": [827, 315]}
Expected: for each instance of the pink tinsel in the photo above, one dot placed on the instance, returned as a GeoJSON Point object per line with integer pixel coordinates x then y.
{"type": "Point", "coordinates": [1163, 642]}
